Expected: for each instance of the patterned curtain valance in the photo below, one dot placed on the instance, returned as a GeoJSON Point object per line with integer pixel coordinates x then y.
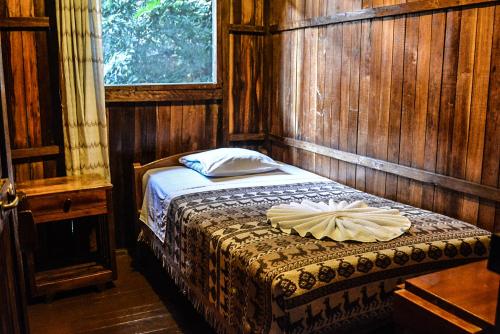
{"type": "Point", "coordinates": [82, 87]}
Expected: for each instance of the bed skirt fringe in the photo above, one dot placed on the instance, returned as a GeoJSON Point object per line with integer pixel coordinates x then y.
{"type": "Point", "coordinates": [210, 315]}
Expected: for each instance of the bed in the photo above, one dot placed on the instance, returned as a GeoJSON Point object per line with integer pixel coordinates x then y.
{"type": "Point", "coordinates": [244, 276]}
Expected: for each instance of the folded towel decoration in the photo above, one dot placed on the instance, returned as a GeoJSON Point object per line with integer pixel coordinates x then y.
{"type": "Point", "coordinates": [339, 221]}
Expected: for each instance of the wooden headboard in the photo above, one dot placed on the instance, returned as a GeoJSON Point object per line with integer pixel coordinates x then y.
{"type": "Point", "coordinates": [140, 170]}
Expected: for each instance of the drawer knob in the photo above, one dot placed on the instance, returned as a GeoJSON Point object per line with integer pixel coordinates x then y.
{"type": "Point", "coordinates": [67, 205]}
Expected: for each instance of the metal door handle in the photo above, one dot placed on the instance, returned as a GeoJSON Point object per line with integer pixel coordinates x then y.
{"type": "Point", "coordinates": [11, 194]}
{"type": "Point", "coordinates": [9, 205]}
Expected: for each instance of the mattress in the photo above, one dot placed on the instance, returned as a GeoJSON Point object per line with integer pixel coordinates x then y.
{"type": "Point", "coordinates": [160, 185]}
{"type": "Point", "coordinates": [213, 238]}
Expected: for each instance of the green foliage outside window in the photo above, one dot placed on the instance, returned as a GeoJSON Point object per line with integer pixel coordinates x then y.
{"type": "Point", "coordinates": [157, 41]}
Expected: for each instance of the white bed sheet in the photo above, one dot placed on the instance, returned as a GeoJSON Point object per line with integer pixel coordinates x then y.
{"type": "Point", "coordinates": [161, 185]}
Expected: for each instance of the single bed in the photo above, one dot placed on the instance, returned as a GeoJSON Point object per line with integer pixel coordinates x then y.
{"type": "Point", "coordinates": [244, 276]}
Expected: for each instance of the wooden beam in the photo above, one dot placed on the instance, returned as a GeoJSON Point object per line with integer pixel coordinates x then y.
{"type": "Point", "coordinates": [163, 93]}
{"type": "Point", "coordinates": [235, 137]}
{"type": "Point", "coordinates": [246, 29]}
{"type": "Point", "coordinates": [35, 152]}
{"type": "Point", "coordinates": [24, 23]}
{"type": "Point", "coordinates": [448, 182]}
{"type": "Point", "coordinates": [380, 12]}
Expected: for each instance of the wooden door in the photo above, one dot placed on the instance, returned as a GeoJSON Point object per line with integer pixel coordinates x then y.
{"type": "Point", "coordinates": [13, 315]}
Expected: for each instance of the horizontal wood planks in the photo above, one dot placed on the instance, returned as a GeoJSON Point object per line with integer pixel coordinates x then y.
{"type": "Point", "coordinates": [144, 132]}
{"type": "Point", "coordinates": [380, 9]}
{"type": "Point", "coordinates": [25, 23]}
{"type": "Point", "coordinates": [160, 93]}
{"type": "Point", "coordinates": [414, 174]}
{"type": "Point", "coordinates": [419, 89]}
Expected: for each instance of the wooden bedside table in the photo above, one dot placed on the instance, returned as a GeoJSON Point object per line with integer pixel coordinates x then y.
{"type": "Point", "coordinates": [456, 300]}
{"type": "Point", "coordinates": [64, 199]}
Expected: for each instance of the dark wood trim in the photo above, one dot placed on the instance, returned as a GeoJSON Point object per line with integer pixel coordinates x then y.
{"type": "Point", "coordinates": [246, 29]}
{"type": "Point", "coordinates": [35, 152]}
{"type": "Point", "coordinates": [178, 92]}
{"type": "Point", "coordinates": [5, 151]}
{"type": "Point", "coordinates": [163, 93]}
{"type": "Point", "coordinates": [268, 75]}
{"type": "Point", "coordinates": [380, 12]}
{"type": "Point", "coordinates": [444, 181]}
{"type": "Point", "coordinates": [54, 99]}
{"type": "Point", "coordinates": [25, 23]}
{"type": "Point", "coordinates": [236, 137]}
{"type": "Point", "coordinates": [225, 10]}
{"type": "Point", "coordinates": [218, 42]}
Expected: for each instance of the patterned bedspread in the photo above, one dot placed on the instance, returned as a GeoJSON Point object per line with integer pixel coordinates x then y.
{"type": "Point", "coordinates": [247, 277]}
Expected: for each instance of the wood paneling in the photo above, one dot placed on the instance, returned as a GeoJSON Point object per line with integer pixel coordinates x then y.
{"type": "Point", "coordinates": [144, 132]}
{"type": "Point", "coordinates": [414, 84]}
{"type": "Point", "coordinates": [32, 87]}
{"type": "Point", "coordinates": [245, 104]}
{"type": "Point", "coordinates": [244, 73]}
{"type": "Point", "coordinates": [25, 23]}
{"type": "Point", "coordinates": [380, 9]}
{"type": "Point", "coordinates": [159, 93]}
{"type": "Point", "coordinates": [414, 174]}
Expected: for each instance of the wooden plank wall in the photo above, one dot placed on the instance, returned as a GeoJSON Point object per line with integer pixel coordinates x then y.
{"type": "Point", "coordinates": [244, 74]}
{"type": "Point", "coordinates": [31, 80]}
{"type": "Point", "coordinates": [418, 90]}
{"type": "Point", "coordinates": [145, 123]}
{"type": "Point", "coordinates": [146, 131]}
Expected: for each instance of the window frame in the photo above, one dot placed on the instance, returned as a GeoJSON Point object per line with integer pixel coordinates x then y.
{"type": "Point", "coordinates": [175, 91]}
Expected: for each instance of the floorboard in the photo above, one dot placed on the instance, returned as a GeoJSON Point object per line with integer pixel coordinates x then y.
{"type": "Point", "coordinates": [138, 302]}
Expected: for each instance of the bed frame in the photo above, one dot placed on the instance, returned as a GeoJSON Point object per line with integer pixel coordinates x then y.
{"type": "Point", "coordinates": [140, 170]}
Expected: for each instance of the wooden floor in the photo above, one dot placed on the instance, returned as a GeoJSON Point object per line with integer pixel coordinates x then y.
{"type": "Point", "coordinates": [138, 302]}
{"type": "Point", "coordinates": [144, 302]}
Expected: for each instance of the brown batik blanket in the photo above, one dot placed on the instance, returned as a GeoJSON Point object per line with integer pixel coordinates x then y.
{"type": "Point", "coordinates": [246, 276]}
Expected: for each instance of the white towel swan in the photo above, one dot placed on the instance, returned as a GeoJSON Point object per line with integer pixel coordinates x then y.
{"type": "Point", "coordinates": [339, 221]}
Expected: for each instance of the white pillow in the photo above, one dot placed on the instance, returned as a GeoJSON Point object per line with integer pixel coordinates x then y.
{"type": "Point", "coordinates": [229, 162]}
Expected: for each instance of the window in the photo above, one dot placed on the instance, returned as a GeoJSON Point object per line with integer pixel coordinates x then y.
{"type": "Point", "coordinates": [158, 41]}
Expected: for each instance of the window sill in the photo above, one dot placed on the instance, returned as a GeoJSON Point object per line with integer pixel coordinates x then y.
{"type": "Point", "coordinates": [163, 93]}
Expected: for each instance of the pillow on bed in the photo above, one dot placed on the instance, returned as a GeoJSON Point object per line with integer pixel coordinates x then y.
{"type": "Point", "coordinates": [229, 162]}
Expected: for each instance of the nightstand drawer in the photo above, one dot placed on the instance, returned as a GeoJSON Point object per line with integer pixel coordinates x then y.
{"type": "Point", "coordinates": [67, 205]}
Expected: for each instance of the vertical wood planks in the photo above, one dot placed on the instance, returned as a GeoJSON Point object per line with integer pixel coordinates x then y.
{"type": "Point", "coordinates": [323, 112]}
{"type": "Point", "coordinates": [408, 103]}
{"type": "Point", "coordinates": [488, 219]}
{"type": "Point", "coordinates": [417, 89]}
{"type": "Point", "coordinates": [375, 130]}
{"type": "Point", "coordinates": [394, 130]}
{"type": "Point", "coordinates": [144, 132]}
{"type": "Point", "coordinates": [442, 198]}
{"type": "Point", "coordinates": [34, 121]}
{"type": "Point", "coordinates": [434, 97]}
{"type": "Point", "coordinates": [245, 72]}
{"type": "Point", "coordinates": [333, 91]}
{"type": "Point", "coordinates": [461, 120]}
{"type": "Point", "coordinates": [421, 99]}
{"type": "Point", "coordinates": [480, 83]}
{"type": "Point", "coordinates": [364, 98]}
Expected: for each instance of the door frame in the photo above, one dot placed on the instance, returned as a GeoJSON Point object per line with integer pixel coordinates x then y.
{"type": "Point", "coordinates": [10, 216]}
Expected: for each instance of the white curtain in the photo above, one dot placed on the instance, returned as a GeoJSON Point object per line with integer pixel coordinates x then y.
{"type": "Point", "coordinates": [82, 87]}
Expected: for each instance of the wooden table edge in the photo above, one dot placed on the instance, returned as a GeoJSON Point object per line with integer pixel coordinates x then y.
{"type": "Point", "coordinates": [435, 310]}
